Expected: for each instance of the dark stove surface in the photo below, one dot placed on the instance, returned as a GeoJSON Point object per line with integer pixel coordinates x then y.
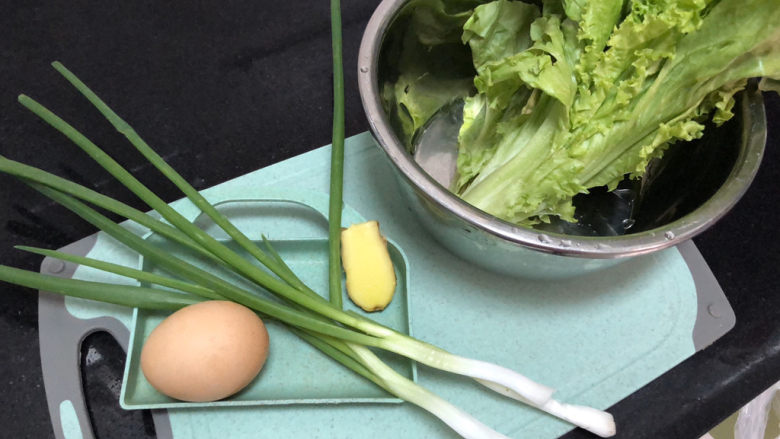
{"type": "Point", "coordinates": [224, 88]}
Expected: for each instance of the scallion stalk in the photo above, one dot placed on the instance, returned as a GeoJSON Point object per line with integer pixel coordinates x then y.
{"type": "Point", "coordinates": [140, 275]}
{"type": "Point", "coordinates": [190, 192]}
{"type": "Point", "coordinates": [138, 188]}
{"type": "Point", "coordinates": [125, 295]}
{"type": "Point", "coordinates": [29, 173]}
{"type": "Point", "coordinates": [336, 160]}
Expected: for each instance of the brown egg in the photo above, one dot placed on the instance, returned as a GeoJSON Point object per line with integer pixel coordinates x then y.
{"type": "Point", "coordinates": [205, 352]}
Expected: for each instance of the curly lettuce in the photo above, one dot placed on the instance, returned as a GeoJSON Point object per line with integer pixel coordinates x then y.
{"type": "Point", "coordinates": [580, 93]}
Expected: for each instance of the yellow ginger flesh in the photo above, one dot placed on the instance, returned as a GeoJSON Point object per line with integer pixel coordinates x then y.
{"type": "Point", "coordinates": [370, 275]}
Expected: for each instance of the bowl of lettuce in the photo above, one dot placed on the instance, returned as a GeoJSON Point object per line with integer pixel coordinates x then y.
{"type": "Point", "coordinates": [550, 139]}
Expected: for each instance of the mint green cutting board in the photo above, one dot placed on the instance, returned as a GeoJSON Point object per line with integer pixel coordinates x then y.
{"type": "Point", "coordinates": [596, 339]}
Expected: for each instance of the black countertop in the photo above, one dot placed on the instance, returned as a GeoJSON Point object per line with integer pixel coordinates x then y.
{"type": "Point", "coordinates": [224, 88]}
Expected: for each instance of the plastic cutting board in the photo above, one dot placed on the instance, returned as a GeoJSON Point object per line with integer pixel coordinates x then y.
{"type": "Point", "coordinates": [596, 338]}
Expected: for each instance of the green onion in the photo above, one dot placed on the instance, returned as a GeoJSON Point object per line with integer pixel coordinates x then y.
{"type": "Point", "coordinates": [126, 295]}
{"type": "Point", "coordinates": [191, 193]}
{"type": "Point", "coordinates": [32, 174]}
{"type": "Point", "coordinates": [344, 336]}
{"type": "Point", "coordinates": [283, 264]}
{"type": "Point", "coordinates": [129, 181]}
{"type": "Point", "coordinates": [336, 160]}
{"type": "Point", "coordinates": [140, 275]}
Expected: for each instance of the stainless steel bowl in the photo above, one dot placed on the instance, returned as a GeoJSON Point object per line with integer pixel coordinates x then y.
{"type": "Point", "coordinates": [506, 248]}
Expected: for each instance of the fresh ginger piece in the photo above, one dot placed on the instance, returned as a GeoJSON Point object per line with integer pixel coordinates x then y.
{"type": "Point", "coordinates": [370, 275]}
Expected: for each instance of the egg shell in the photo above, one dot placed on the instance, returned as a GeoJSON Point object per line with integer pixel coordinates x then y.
{"type": "Point", "coordinates": [205, 352]}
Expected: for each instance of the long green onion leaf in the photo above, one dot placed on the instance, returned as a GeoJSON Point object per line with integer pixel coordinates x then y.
{"type": "Point", "coordinates": [336, 160]}
{"type": "Point", "coordinates": [240, 264]}
{"type": "Point", "coordinates": [283, 265]}
{"type": "Point", "coordinates": [138, 188]}
{"type": "Point", "coordinates": [190, 192]}
{"type": "Point", "coordinates": [125, 295]}
{"type": "Point", "coordinates": [140, 275]}
{"type": "Point", "coordinates": [36, 175]}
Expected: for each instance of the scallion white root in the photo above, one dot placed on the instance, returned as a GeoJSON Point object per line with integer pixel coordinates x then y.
{"type": "Point", "coordinates": [461, 422]}
{"type": "Point", "coordinates": [504, 381]}
{"type": "Point", "coordinates": [531, 391]}
{"type": "Point", "coordinates": [593, 420]}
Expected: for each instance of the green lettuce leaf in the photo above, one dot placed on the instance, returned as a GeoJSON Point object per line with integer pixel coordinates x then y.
{"type": "Point", "coordinates": [494, 32]}
{"type": "Point", "coordinates": [603, 89]}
